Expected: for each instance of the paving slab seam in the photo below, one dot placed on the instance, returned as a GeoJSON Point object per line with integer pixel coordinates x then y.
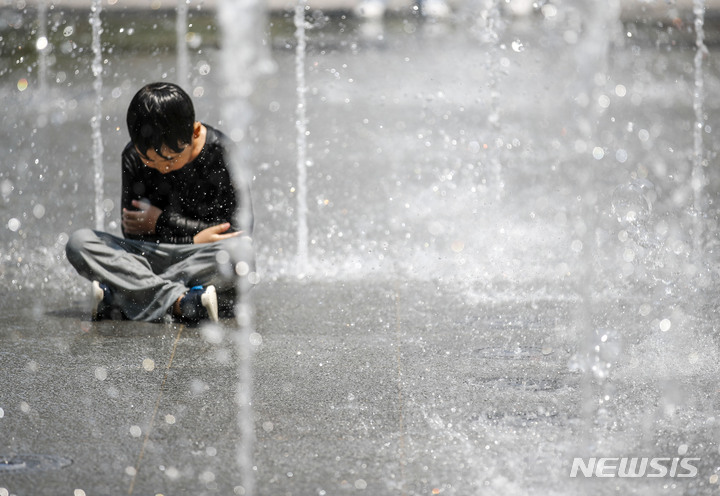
{"type": "Point", "coordinates": [131, 488]}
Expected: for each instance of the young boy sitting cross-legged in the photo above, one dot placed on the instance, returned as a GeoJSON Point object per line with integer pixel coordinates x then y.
{"type": "Point", "coordinates": [179, 207]}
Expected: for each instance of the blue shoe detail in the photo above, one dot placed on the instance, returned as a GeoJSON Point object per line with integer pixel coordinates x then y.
{"type": "Point", "coordinates": [199, 303]}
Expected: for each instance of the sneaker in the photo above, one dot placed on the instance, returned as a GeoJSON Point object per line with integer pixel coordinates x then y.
{"type": "Point", "coordinates": [101, 301]}
{"type": "Point", "coordinates": [199, 303]}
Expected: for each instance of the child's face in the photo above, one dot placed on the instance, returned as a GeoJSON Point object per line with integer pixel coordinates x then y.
{"type": "Point", "coordinates": [168, 161]}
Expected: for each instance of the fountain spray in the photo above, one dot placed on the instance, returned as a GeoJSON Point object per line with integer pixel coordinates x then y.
{"type": "Point", "coordinates": [42, 46]}
{"type": "Point", "coordinates": [591, 57]}
{"type": "Point", "coordinates": [698, 174]}
{"type": "Point", "coordinates": [181, 23]}
{"type": "Point", "coordinates": [243, 60]}
{"type": "Point", "coordinates": [96, 120]}
{"type": "Point", "coordinates": [301, 126]}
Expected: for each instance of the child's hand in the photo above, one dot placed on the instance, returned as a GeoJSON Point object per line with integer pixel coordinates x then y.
{"type": "Point", "coordinates": [141, 221]}
{"type": "Point", "coordinates": [215, 233]}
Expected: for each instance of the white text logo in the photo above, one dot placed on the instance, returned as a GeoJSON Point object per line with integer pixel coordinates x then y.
{"type": "Point", "coordinates": [634, 467]}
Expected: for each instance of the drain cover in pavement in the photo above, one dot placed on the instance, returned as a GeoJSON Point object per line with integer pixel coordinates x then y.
{"type": "Point", "coordinates": [519, 353]}
{"type": "Point", "coordinates": [31, 463]}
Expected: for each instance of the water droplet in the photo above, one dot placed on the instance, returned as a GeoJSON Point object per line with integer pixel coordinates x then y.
{"type": "Point", "coordinates": [207, 477]}
{"type": "Point", "coordinates": [548, 10]}
{"type": "Point", "coordinates": [194, 40]}
{"type": "Point", "coordinates": [458, 246]}
{"type": "Point", "coordinates": [213, 334]}
{"type": "Point", "coordinates": [632, 203]}
{"type": "Point", "coordinates": [621, 156]}
{"type": "Point", "coordinates": [13, 224]}
{"type": "Point", "coordinates": [41, 43]}
{"type": "Point", "coordinates": [100, 373]}
{"type": "Point", "coordinates": [242, 269]}
{"type": "Point", "coordinates": [517, 46]}
{"type": "Point", "coordinates": [38, 211]}
{"type": "Point", "coordinates": [629, 255]}
{"type": "Point", "coordinates": [665, 325]}
{"type": "Point", "coordinates": [255, 339]}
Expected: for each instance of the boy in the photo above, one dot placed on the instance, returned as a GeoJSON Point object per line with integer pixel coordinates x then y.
{"type": "Point", "coordinates": [178, 211]}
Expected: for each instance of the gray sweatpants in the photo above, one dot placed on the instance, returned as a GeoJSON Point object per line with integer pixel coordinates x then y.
{"type": "Point", "coordinates": [145, 278]}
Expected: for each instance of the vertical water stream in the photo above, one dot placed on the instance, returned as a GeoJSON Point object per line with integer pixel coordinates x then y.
{"type": "Point", "coordinates": [301, 125]}
{"type": "Point", "coordinates": [181, 27]}
{"type": "Point", "coordinates": [242, 57]}
{"type": "Point", "coordinates": [698, 174]}
{"type": "Point", "coordinates": [96, 120]}
{"type": "Point", "coordinates": [42, 47]}
{"type": "Point", "coordinates": [591, 59]}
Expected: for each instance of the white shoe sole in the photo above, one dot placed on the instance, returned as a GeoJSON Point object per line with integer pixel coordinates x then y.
{"type": "Point", "coordinates": [98, 294]}
{"type": "Point", "coordinates": [210, 302]}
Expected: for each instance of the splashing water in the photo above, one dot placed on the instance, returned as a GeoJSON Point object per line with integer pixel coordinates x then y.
{"type": "Point", "coordinates": [242, 60]}
{"type": "Point", "coordinates": [632, 206]}
{"type": "Point", "coordinates": [531, 242]}
{"type": "Point", "coordinates": [97, 117]}
{"type": "Point", "coordinates": [42, 46]}
{"type": "Point", "coordinates": [301, 125]}
{"type": "Point", "coordinates": [181, 23]}
{"type": "Point", "coordinates": [490, 35]}
{"type": "Point", "coordinates": [698, 175]}
{"type": "Point", "coordinates": [592, 58]}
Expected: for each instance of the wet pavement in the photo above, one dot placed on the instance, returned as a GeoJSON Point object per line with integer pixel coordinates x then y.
{"type": "Point", "coordinates": [389, 387]}
{"type": "Point", "coordinates": [501, 274]}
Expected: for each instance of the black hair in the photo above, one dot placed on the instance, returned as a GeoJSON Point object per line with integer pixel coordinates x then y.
{"type": "Point", "coordinates": [160, 114]}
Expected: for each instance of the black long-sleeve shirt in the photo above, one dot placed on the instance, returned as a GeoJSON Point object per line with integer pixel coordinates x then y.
{"type": "Point", "coordinates": [199, 195]}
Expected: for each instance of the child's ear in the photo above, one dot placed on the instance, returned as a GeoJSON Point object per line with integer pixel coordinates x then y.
{"type": "Point", "coordinates": [196, 129]}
